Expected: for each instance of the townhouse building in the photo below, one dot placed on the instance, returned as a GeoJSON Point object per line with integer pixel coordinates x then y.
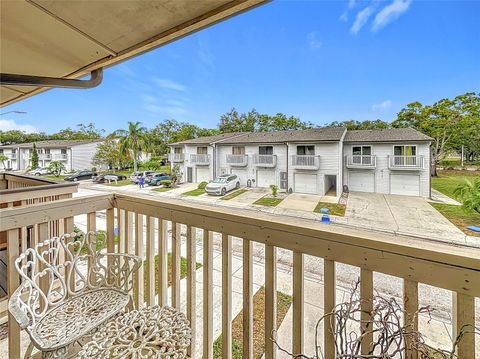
{"type": "Point", "coordinates": [75, 154]}
{"type": "Point", "coordinates": [315, 161]}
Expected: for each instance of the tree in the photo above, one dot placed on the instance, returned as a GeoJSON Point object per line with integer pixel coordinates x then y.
{"type": "Point", "coordinates": [56, 167]}
{"type": "Point", "coordinates": [34, 157]}
{"type": "Point", "coordinates": [253, 121]}
{"type": "Point", "coordinates": [469, 194]}
{"type": "Point", "coordinates": [351, 125]}
{"type": "Point", "coordinates": [3, 158]}
{"type": "Point", "coordinates": [133, 141]}
{"type": "Point", "coordinates": [109, 153]}
{"type": "Point", "coordinates": [176, 175]}
{"type": "Point", "coordinates": [16, 136]}
{"type": "Point", "coordinates": [84, 132]}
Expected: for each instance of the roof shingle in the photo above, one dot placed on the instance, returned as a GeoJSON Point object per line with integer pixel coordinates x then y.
{"type": "Point", "coordinates": [52, 143]}
{"type": "Point", "coordinates": [386, 135]}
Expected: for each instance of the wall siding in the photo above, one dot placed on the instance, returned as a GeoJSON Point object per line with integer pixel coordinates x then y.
{"type": "Point", "coordinates": [82, 155]}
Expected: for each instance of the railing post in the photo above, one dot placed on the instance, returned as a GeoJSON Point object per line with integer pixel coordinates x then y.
{"type": "Point", "coordinates": [13, 281]}
{"type": "Point", "coordinates": [226, 296]}
{"type": "Point", "coordinates": [176, 242]}
{"type": "Point", "coordinates": [110, 235]}
{"type": "Point", "coordinates": [366, 296]}
{"type": "Point", "coordinates": [247, 300]}
{"type": "Point", "coordinates": [270, 300]}
{"type": "Point", "coordinates": [191, 285]}
{"type": "Point", "coordinates": [162, 262]}
{"type": "Point", "coordinates": [298, 306]}
{"type": "Point", "coordinates": [207, 294]}
{"type": "Point", "coordinates": [464, 320]}
{"type": "Point", "coordinates": [410, 305]}
{"type": "Point", "coordinates": [329, 288]}
{"type": "Point", "coordinates": [150, 296]}
{"type": "Point", "coordinates": [139, 278]}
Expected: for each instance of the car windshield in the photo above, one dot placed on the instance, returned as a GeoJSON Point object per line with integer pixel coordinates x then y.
{"type": "Point", "coordinates": [220, 180]}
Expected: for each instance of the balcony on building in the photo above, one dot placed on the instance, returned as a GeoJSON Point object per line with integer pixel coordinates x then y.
{"type": "Point", "coordinates": [200, 159]}
{"type": "Point", "coordinates": [176, 157]}
{"type": "Point", "coordinates": [237, 160]}
{"type": "Point", "coordinates": [305, 162]}
{"type": "Point", "coordinates": [415, 163]}
{"type": "Point", "coordinates": [361, 161]}
{"type": "Point", "coordinates": [265, 160]}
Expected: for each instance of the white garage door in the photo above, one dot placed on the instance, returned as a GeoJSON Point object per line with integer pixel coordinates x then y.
{"type": "Point", "coordinates": [203, 174]}
{"type": "Point", "coordinates": [242, 175]}
{"type": "Point", "coordinates": [305, 183]}
{"type": "Point", "coordinates": [408, 185]}
{"type": "Point", "coordinates": [265, 178]}
{"type": "Point", "coordinates": [361, 181]}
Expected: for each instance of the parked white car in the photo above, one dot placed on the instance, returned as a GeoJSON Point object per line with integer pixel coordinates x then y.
{"type": "Point", "coordinates": [40, 171]}
{"type": "Point", "coordinates": [222, 184]}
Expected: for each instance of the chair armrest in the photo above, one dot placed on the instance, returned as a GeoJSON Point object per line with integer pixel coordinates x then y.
{"type": "Point", "coordinates": [15, 308]}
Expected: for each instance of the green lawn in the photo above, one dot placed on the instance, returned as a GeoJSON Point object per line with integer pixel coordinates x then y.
{"type": "Point", "coordinates": [268, 201]}
{"type": "Point", "coordinates": [195, 192]}
{"type": "Point", "coordinates": [335, 209]}
{"type": "Point", "coordinates": [447, 181]}
{"type": "Point", "coordinates": [54, 178]}
{"type": "Point", "coordinates": [162, 189]}
{"type": "Point", "coordinates": [459, 216]}
{"type": "Point", "coordinates": [234, 194]}
{"type": "Point", "coordinates": [118, 184]}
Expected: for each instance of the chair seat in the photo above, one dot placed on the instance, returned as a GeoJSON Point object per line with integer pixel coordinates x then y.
{"type": "Point", "coordinates": [77, 317]}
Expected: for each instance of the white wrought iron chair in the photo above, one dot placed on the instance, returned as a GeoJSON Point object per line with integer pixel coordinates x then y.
{"type": "Point", "coordinates": [69, 287]}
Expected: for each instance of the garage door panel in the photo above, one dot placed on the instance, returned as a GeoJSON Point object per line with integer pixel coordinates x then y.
{"type": "Point", "coordinates": [305, 183]}
{"type": "Point", "coordinates": [241, 174]}
{"type": "Point", "coordinates": [203, 174]}
{"type": "Point", "coordinates": [405, 184]}
{"type": "Point", "coordinates": [361, 181]}
{"type": "Point", "coordinates": [265, 178]}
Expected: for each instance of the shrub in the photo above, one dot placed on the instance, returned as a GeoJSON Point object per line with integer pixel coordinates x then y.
{"type": "Point", "coordinates": [469, 194]}
{"type": "Point", "coordinates": [202, 185]}
{"type": "Point", "coordinates": [274, 189]}
{"type": "Point", "coordinates": [167, 183]}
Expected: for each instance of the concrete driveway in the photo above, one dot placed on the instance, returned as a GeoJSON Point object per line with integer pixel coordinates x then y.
{"type": "Point", "coordinates": [247, 198]}
{"type": "Point", "coordinates": [402, 214]}
{"type": "Point", "coordinates": [299, 201]}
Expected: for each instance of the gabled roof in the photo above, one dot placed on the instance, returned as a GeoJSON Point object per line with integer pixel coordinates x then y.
{"type": "Point", "coordinates": [320, 134]}
{"type": "Point", "coordinates": [386, 135]}
{"type": "Point", "coordinates": [52, 143]}
{"type": "Point", "coordinates": [207, 140]}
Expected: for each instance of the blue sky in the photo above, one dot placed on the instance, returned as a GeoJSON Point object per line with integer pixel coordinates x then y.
{"type": "Point", "coordinates": [322, 61]}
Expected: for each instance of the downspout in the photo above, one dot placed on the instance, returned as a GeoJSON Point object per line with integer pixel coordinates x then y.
{"type": "Point", "coordinates": [214, 161]}
{"type": "Point", "coordinates": [286, 145]}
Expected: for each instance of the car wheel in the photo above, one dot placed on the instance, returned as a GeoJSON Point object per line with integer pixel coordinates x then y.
{"type": "Point", "coordinates": [237, 186]}
{"type": "Point", "coordinates": [75, 179]}
{"type": "Point", "coordinates": [224, 190]}
{"type": "Point", "coordinates": [37, 174]}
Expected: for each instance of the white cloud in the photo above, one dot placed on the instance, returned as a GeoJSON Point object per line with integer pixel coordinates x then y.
{"type": "Point", "coordinates": [171, 85]}
{"type": "Point", "coordinates": [361, 19]}
{"type": "Point", "coordinates": [9, 125]}
{"type": "Point", "coordinates": [382, 106]}
{"type": "Point", "coordinates": [313, 40]}
{"type": "Point", "coordinates": [390, 13]}
{"type": "Point", "coordinates": [351, 3]}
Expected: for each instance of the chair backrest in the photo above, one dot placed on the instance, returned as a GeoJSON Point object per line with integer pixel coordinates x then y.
{"type": "Point", "coordinates": [64, 267]}
{"type": "Point", "coordinates": [345, 188]}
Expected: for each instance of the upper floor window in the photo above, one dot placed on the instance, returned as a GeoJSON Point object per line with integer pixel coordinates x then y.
{"type": "Point", "coordinates": [361, 150]}
{"type": "Point", "coordinates": [305, 150]}
{"type": "Point", "coordinates": [177, 150]}
{"type": "Point", "coordinates": [265, 150]}
{"type": "Point", "coordinates": [63, 151]}
{"type": "Point", "coordinates": [238, 150]}
{"type": "Point", "coordinates": [202, 150]}
{"type": "Point", "coordinates": [405, 150]}
{"type": "Point", "coordinates": [1, 151]}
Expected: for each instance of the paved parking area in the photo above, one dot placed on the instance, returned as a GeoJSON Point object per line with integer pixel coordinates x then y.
{"type": "Point", "coordinates": [402, 214]}
{"type": "Point", "coordinates": [299, 201]}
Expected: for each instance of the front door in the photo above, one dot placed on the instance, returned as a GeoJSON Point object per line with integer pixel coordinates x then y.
{"type": "Point", "coordinates": [189, 174]}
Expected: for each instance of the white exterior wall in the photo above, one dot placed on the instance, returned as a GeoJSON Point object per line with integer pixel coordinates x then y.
{"type": "Point", "coordinates": [329, 164]}
{"type": "Point", "coordinates": [10, 162]}
{"type": "Point", "coordinates": [383, 173]}
{"type": "Point", "coordinates": [192, 150]}
{"type": "Point", "coordinates": [81, 156]}
{"type": "Point", "coordinates": [280, 150]}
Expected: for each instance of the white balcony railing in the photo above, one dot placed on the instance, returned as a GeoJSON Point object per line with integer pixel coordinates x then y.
{"type": "Point", "coordinates": [60, 157]}
{"type": "Point", "coordinates": [10, 156]}
{"type": "Point", "coordinates": [176, 157]}
{"type": "Point", "coordinates": [200, 159]}
{"type": "Point", "coordinates": [41, 156]}
{"type": "Point", "coordinates": [306, 162]}
{"type": "Point", "coordinates": [406, 162]}
{"type": "Point", "coordinates": [198, 233]}
{"type": "Point", "coordinates": [237, 160]}
{"type": "Point", "coordinates": [265, 160]}
{"type": "Point", "coordinates": [361, 161]}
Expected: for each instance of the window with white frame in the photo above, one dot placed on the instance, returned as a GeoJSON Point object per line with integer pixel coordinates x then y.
{"type": "Point", "coordinates": [265, 150]}
{"type": "Point", "coordinates": [305, 150]}
{"type": "Point", "coordinates": [362, 154]}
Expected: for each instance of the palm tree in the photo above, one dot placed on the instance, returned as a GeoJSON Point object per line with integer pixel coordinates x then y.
{"type": "Point", "coordinates": [56, 167]}
{"type": "Point", "coordinates": [3, 158]}
{"type": "Point", "coordinates": [469, 193]}
{"type": "Point", "coordinates": [133, 141]}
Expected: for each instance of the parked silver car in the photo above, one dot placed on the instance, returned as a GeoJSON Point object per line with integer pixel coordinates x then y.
{"type": "Point", "coordinates": [39, 171]}
{"type": "Point", "coordinates": [222, 184]}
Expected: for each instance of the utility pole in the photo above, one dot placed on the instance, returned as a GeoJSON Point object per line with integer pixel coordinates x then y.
{"type": "Point", "coordinates": [462, 155]}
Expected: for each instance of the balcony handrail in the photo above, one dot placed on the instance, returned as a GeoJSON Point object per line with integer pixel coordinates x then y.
{"type": "Point", "coordinates": [176, 157]}
{"type": "Point", "coordinates": [305, 160]}
{"type": "Point", "coordinates": [200, 158]}
{"type": "Point", "coordinates": [414, 260]}
{"type": "Point", "coordinates": [259, 159]}
{"type": "Point", "coordinates": [402, 161]}
{"type": "Point", "coordinates": [236, 158]}
{"type": "Point", "coordinates": [361, 160]}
